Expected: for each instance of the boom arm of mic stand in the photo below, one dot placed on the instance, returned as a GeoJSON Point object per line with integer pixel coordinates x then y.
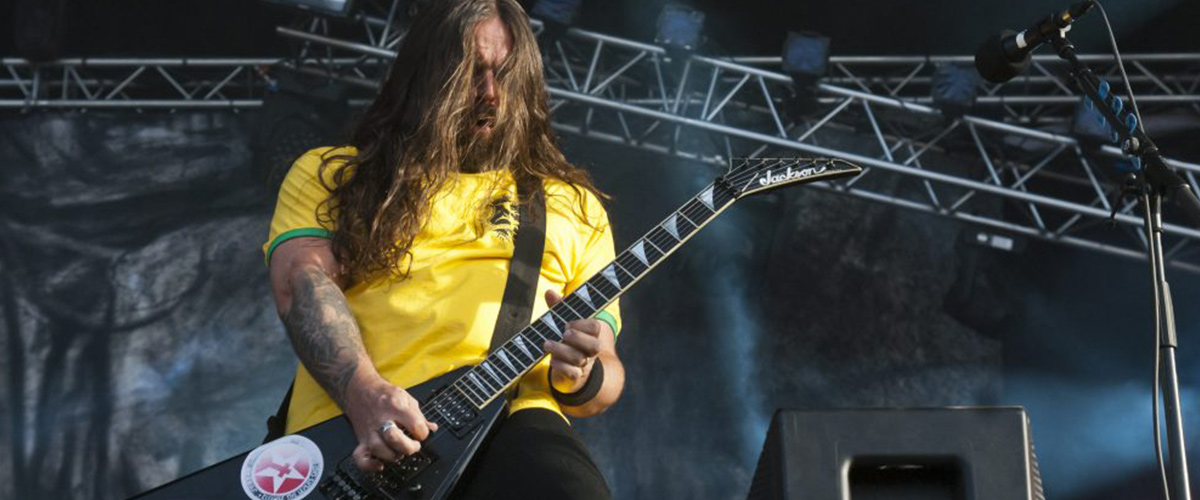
{"type": "Point", "coordinates": [1155, 172]}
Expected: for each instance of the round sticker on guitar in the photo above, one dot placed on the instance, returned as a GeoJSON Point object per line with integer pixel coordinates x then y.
{"type": "Point", "coordinates": [287, 468]}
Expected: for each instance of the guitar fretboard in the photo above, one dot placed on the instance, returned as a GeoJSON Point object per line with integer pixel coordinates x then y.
{"type": "Point", "coordinates": [505, 365]}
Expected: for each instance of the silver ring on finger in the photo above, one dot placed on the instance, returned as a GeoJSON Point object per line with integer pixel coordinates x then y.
{"type": "Point", "coordinates": [387, 426]}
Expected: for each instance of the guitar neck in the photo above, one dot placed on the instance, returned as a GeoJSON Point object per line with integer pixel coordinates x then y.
{"type": "Point", "coordinates": [505, 365]}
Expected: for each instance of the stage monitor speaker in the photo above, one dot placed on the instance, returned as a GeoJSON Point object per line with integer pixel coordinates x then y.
{"type": "Point", "coordinates": [303, 112]}
{"type": "Point", "coordinates": [957, 453]}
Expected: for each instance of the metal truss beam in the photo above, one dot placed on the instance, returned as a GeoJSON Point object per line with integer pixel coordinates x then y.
{"type": "Point", "coordinates": [1158, 80]}
{"type": "Point", "coordinates": [1010, 178]}
{"type": "Point", "coordinates": [134, 83]}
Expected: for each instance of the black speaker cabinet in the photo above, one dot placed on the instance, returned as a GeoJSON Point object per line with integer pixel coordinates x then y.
{"type": "Point", "coordinates": [957, 453]}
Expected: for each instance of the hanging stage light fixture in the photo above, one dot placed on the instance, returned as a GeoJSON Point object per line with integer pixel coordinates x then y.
{"type": "Point", "coordinates": [557, 16]}
{"type": "Point", "coordinates": [679, 28]}
{"type": "Point", "coordinates": [563, 12]}
{"type": "Point", "coordinates": [335, 8]}
{"type": "Point", "coordinates": [954, 88]}
{"type": "Point", "coordinates": [806, 61]}
{"type": "Point", "coordinates": [805, 55]}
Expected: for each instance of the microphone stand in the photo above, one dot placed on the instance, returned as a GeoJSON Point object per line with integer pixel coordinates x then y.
{"type": "Point", "coordinates": [1153, 182]}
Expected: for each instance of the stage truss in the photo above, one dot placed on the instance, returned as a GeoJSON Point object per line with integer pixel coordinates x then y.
{"type": "Point", "coordinates": [1160, 81]}
{"type": "Point", "coordinates": [998, 172]}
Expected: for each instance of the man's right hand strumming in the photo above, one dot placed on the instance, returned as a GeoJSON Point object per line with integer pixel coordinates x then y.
{"type": "Point", "coordinates": [386, 419]}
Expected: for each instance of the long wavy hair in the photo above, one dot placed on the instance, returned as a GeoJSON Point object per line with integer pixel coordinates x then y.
{"type": "Point", "coordinates": [419, 132]}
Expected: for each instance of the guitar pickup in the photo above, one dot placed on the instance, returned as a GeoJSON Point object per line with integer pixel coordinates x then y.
{"type": "Point", "coordinates": [459, 414]}
{"type": "Point", "coordinates": [344, 485]}
{"type": "Point", "coordinates": [409, 466]}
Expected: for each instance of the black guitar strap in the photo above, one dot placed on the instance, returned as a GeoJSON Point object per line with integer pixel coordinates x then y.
{"type": "Point", "coordinates": [520, 291]}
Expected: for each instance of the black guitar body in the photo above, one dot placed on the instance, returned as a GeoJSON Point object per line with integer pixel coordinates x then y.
{"type": "Point", "coordinates": [430, 474]}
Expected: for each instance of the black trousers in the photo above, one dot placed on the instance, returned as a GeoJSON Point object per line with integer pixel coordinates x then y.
{"type": "Point", "coordinates": [533, 455]}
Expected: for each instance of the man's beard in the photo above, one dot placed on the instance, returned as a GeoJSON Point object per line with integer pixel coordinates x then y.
{"type": "Point", "coordinates": [481, 144]}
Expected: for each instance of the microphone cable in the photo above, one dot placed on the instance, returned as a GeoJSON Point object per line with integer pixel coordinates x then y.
{"type": "Point", "coordinates": [1121, 66]}
{"type": "Point", "coordinates": [1158, 323]}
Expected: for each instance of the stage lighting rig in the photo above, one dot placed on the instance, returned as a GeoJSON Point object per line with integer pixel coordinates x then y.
{"type": "Point", "coordinates": [806, 61]}
{"type": "Point", "coordinates": [679, 28]}
{"type": "Point", "coordinates": [954, 89]}
{"type": "Point", "coordinates": [336, 8]}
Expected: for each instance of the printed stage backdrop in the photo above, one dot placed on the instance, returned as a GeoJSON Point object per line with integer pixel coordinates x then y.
{"type": "Point", "coordinates": [140, 342]}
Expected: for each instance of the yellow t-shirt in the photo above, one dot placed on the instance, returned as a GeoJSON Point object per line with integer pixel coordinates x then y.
{"type": "Point", "coordinates": [441, 317]}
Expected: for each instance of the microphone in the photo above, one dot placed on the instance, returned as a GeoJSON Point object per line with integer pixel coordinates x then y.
{"type": "Point", "coordinates": [1006, 55]}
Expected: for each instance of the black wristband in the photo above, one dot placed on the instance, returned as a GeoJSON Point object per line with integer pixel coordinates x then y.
{"type": "Point", "coordinates": [585, 393]}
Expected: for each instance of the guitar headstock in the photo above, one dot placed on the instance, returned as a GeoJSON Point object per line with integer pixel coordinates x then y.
{"type": "Point", "coordinates": [752, 175]}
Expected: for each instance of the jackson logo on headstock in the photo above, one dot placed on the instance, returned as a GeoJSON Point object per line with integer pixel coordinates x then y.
{"type": "Point", "coordinates": [287, 468]}
{"type": "Point", "coordinates": [769, 178]}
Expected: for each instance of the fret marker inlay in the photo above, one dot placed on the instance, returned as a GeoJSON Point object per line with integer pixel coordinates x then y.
{"type": "Point", "coordinates": [490, 371]}
{"type": "Point", "coordinates": [707, 198]}
{"type": "Point", "coordinates": [672, 226]}
{"type": "Point", "coordinates": [586, 296]}
{"type": "Point", "coordinates": [520, 343]}
{"type": "Point", "coordinates": [478, 383]}
{"type": "Point", "coordinates": [550, 323]}
{"type": "Point", "coordinates": [610, 274]}
{"type": "Point", "coordinates": [639, 251]}
{"type": "Point", "coordinates": [504, 358]}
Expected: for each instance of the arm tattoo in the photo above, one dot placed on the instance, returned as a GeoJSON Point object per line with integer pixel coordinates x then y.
{"type": "Point", "coordinates": [323, 332]}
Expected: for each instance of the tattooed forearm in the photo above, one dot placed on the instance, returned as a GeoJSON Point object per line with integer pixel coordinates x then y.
{"type": "Point", "coordinates": [323, 332]}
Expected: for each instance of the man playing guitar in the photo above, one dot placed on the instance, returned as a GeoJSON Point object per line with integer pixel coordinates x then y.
{"type": "Point", "coordinates": [388, 257]}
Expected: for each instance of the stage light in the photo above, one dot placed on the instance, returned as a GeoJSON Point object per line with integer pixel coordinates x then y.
{"type": "Point", "coordinates": [954, 89]}
{"type": "Point", "coordinates": [39, 29]}
{"type": "Point", "coordinates": [806, 60]}
{"type": "Point", "coordinates": [336, 8]}
{"type": "Point", "coordinates": [679, 27]}
{"type": "Point", "coordinates": [805, 56]}
{"type": "Point", "coordinates": [561, 12]}
{"type": "Point", "coordinates": [557, 16]}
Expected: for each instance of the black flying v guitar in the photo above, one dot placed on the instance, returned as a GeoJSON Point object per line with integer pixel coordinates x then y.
{"type": "Point", "coordinates": [465, 403]}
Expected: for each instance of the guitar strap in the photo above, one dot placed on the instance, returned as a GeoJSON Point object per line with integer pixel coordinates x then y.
{"type": "Point", "coordinates": [520, 291]}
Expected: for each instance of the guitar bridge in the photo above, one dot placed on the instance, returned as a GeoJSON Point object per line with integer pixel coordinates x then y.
{"type": "Point", "coordinates": [395, 482]}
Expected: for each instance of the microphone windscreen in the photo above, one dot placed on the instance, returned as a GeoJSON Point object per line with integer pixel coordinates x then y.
{"type": "Point", "coordinates": [992, 63]}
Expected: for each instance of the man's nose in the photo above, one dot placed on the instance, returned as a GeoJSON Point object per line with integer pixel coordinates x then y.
{"type": "Point", "coordinates": [488, 87]}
